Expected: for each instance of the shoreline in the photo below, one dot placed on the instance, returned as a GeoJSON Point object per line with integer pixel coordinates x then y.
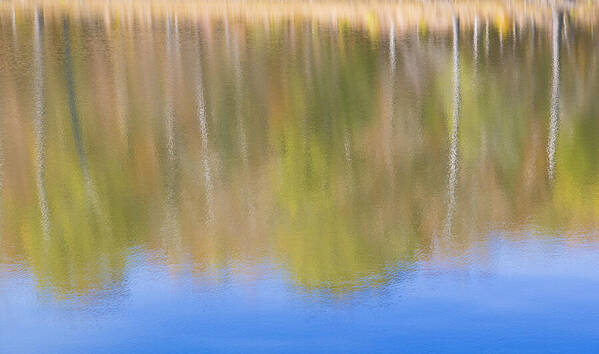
{"type": "Point", "coordinates": [374, 16]}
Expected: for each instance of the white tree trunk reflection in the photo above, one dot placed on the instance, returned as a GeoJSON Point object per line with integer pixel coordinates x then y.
{"type": "Point", "coordinates": [454, 133]}
{"type": "Point", "coordinates": [201, 112]}
{"type": "Point", "coordinates": [172, 220]}
{"type": "Point", "coordinates": [555, 93]}
{"type": "Point", "coordinates": [39, 123]}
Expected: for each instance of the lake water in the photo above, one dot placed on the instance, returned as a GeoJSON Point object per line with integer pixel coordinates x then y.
{"type": "Point", "coordinates": [258, 177]}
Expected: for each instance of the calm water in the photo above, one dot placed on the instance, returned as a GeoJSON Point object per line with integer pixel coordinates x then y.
{"type": "Point", "coordinates": [207, 181]}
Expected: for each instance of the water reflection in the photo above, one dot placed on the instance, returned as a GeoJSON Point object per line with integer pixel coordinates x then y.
{"type": "Point", "coordinates": [343, 151]}
{"type": "Point", "coordinates": [39, 123]}
{"type": "Point", "coordinates": [454, 128]}
{"type": "Point", "coordinates": [555, 83]}
{"type": "Point", "coordinates": [201, 113]}
{"type": "Point", "coordinates": [170, 170]}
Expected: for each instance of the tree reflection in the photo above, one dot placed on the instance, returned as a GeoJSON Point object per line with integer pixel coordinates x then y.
{"type": "Point", "coordinates": [39, 123]}
{"type": "Point", "coordinates": [333, 148]}
{"type": "Point", "coordinates": [555, 85]}
{"type": "Point", "coordinates": [454, 129]}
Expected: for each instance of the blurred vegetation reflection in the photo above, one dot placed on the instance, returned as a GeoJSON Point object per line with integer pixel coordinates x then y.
{"type": "Point", "coordinates": [342, 151]}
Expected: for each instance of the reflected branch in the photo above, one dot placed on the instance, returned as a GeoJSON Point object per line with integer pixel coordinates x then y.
{"type": "Point", "coordinates": [76, 127]}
